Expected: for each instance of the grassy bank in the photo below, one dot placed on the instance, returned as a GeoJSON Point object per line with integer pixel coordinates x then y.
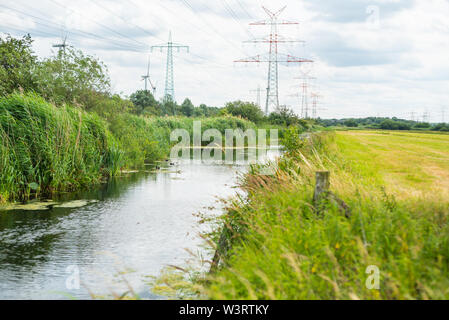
{"type": "Point", "coordinates": [46, 149]}
{"type": "Point", "coordinates": [280, 248]}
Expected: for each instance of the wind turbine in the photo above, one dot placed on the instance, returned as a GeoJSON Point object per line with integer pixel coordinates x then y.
{"type": "Point", "coordinates": [61, 46]}
{"type": "Point", "coordinates": [147, 78]}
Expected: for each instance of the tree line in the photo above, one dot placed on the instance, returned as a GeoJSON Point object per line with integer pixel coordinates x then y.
{"type": "Point", "coordinates": [74, 78]}
{"type": "Point", "coordinates": [383, 123]}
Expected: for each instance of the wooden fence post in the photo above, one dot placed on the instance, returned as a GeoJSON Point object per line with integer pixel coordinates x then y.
{"type": "Point", "coordinates": [322, 187]}
{"type": "Point", "coordinates": [322, 192]}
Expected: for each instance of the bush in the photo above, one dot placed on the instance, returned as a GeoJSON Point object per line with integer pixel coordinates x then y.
{"type": "Point", "coordinates": [394, 125]}
{"type": "Point", "coordinates": [284, 116]}
{"type": "Point", "coordinates": [246, 110]}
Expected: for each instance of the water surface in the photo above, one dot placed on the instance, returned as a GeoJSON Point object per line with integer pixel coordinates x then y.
{"type": "Point", "coordinates": [141, 223]}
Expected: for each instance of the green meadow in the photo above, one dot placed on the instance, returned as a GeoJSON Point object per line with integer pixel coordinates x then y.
{"type": "Point", "coordinates": [279, 246]}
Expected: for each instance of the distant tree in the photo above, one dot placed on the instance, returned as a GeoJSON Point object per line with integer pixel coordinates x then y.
{"type": "Point", "coordinates": [422, 125]}
{"type": "Point", "coordinates": [198, 112]}
{"type": "Point", "coordinates": [144, 102]}
{"type": "Point", "coordinates": [187, 108]}
{"type": "Point", "coordinates": [441, 127]}
{"type": "Point", "coordinates": [351, 123]}
{"type": "Point", "coordinates": [71, 76]}
{"type": "Point", "coordinates": [394, 125]}
{"type": "Point", "coordinates": [18, 64]}
{"type": "Point", "coordinates": [247, 110]}
{"type": "Point", "coordinates": [284, 116]}
{"type": "Point", "coordinates": [169, 107]}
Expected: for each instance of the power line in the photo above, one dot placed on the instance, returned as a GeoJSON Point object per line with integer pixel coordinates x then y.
{"type": "Point", "coordinates": [203, 30]}
{"type": "Point", "coordinates": [243, 7]}
{"type": "Point", "coordinates": [51, 25]}
{"type": "Point", "coordinates": [125, 20]}
{"type": "Point", "coordinates": [189, 6]}
{"type": "Point", "coordinates": [235, 17]}
{"type": "Point", "coordinates": [100, 24]}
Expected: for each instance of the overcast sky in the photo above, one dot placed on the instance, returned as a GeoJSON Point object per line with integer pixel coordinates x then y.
{"type": "Point", "coordinates": [372, 57]}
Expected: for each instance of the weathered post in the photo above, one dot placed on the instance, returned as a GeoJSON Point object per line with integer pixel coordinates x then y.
{"type": "Point", "coordinates": [322, 187]}
{"type": "Point", "coordinates": [219, 252]}
{"type": "Point", "coordinates": [322, 192]}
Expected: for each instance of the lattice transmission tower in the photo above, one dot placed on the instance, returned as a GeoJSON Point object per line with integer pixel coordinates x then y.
{"type": "Point", "coordinates": [169, 76]}
{"type": "Point", "coordinates": [304, 94]}
{"type": "Point", "coordinates": [273, 58]}
{"type": "Point", "coordinates": [315, 96]}
{"type": "Point", "coordinates": [258, 92]}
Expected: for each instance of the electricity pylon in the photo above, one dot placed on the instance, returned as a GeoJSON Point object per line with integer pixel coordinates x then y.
{"type": "Point", "coordinates": [426, 116]}
{"type": "Point", "coordinates": [315, 96]}
{"type": "Point", "coordinates": [273, 58]}
{"type": "Point", "coordinates": [147, 79]}
{"type": "Point", "coordinates": [169, 78]}
{"type": "Point", "coordinates": [258, 91]}
{"type": "Point", "coordinates": [305, 85]}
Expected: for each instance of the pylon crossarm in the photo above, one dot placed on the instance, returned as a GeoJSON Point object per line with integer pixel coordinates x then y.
{"type": "Point", "coordinates": [175, 45]}
{"type": "Point", "coordinates": [269, 39]}
{"type": "Point", "coordinates": [252, 59]}
{"type": "Point", "coordinates": [272, 23]}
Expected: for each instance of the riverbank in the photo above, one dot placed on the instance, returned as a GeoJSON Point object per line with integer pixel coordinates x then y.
{"type": "Point", "coordinates": [393, 245]}
{"type": "Point", "coordinates": [46, 149]}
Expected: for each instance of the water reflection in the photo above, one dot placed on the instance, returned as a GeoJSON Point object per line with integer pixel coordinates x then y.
{"type": "Point", "coordinates": [141, 223]}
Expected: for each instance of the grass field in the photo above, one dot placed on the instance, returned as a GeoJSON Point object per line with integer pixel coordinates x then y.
{"type": "Point", "coordinates": [408, 164]}
{"type": "Point", "coordinates": [396, 186]}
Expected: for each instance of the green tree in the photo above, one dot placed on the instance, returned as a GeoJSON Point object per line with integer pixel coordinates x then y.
{"type": "Point", "coordinates": [71, 76]}
{"type": "Point", "coordinates": [441, 127]}
{"type": "Point", "coordinates": [17, 64]}
{"type": "Point", "coordinates": [145, 103]}
{"type": "Point", "coordinates": [283, 116]}
{"type": "Point", "coordinates": [351, 123]}
{"type": "Point", "coordinates": [422, 125]}
{"type": "Point", "coordinates": [246, 110]}
{"type": "Point", "coordinates": [168, 107]}
{"type": "Point", "coordinates": [187, 108]}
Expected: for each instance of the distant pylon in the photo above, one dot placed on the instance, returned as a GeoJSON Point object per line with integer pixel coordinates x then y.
{"type": "Point", "coordinates": [169, 77]}
{"type": "Point", "coordinates": [147, 78]}
{"type": "Point", "coordinates": [426, 116]}
{"type": "Point", "coordinates": [315, 96]}
{"type": "Point", "coordinates": [305, 107]}
{"type": "Point", "coordinates": [273, 58]}
{"type": "Point", "coordinates": [258, 91]}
